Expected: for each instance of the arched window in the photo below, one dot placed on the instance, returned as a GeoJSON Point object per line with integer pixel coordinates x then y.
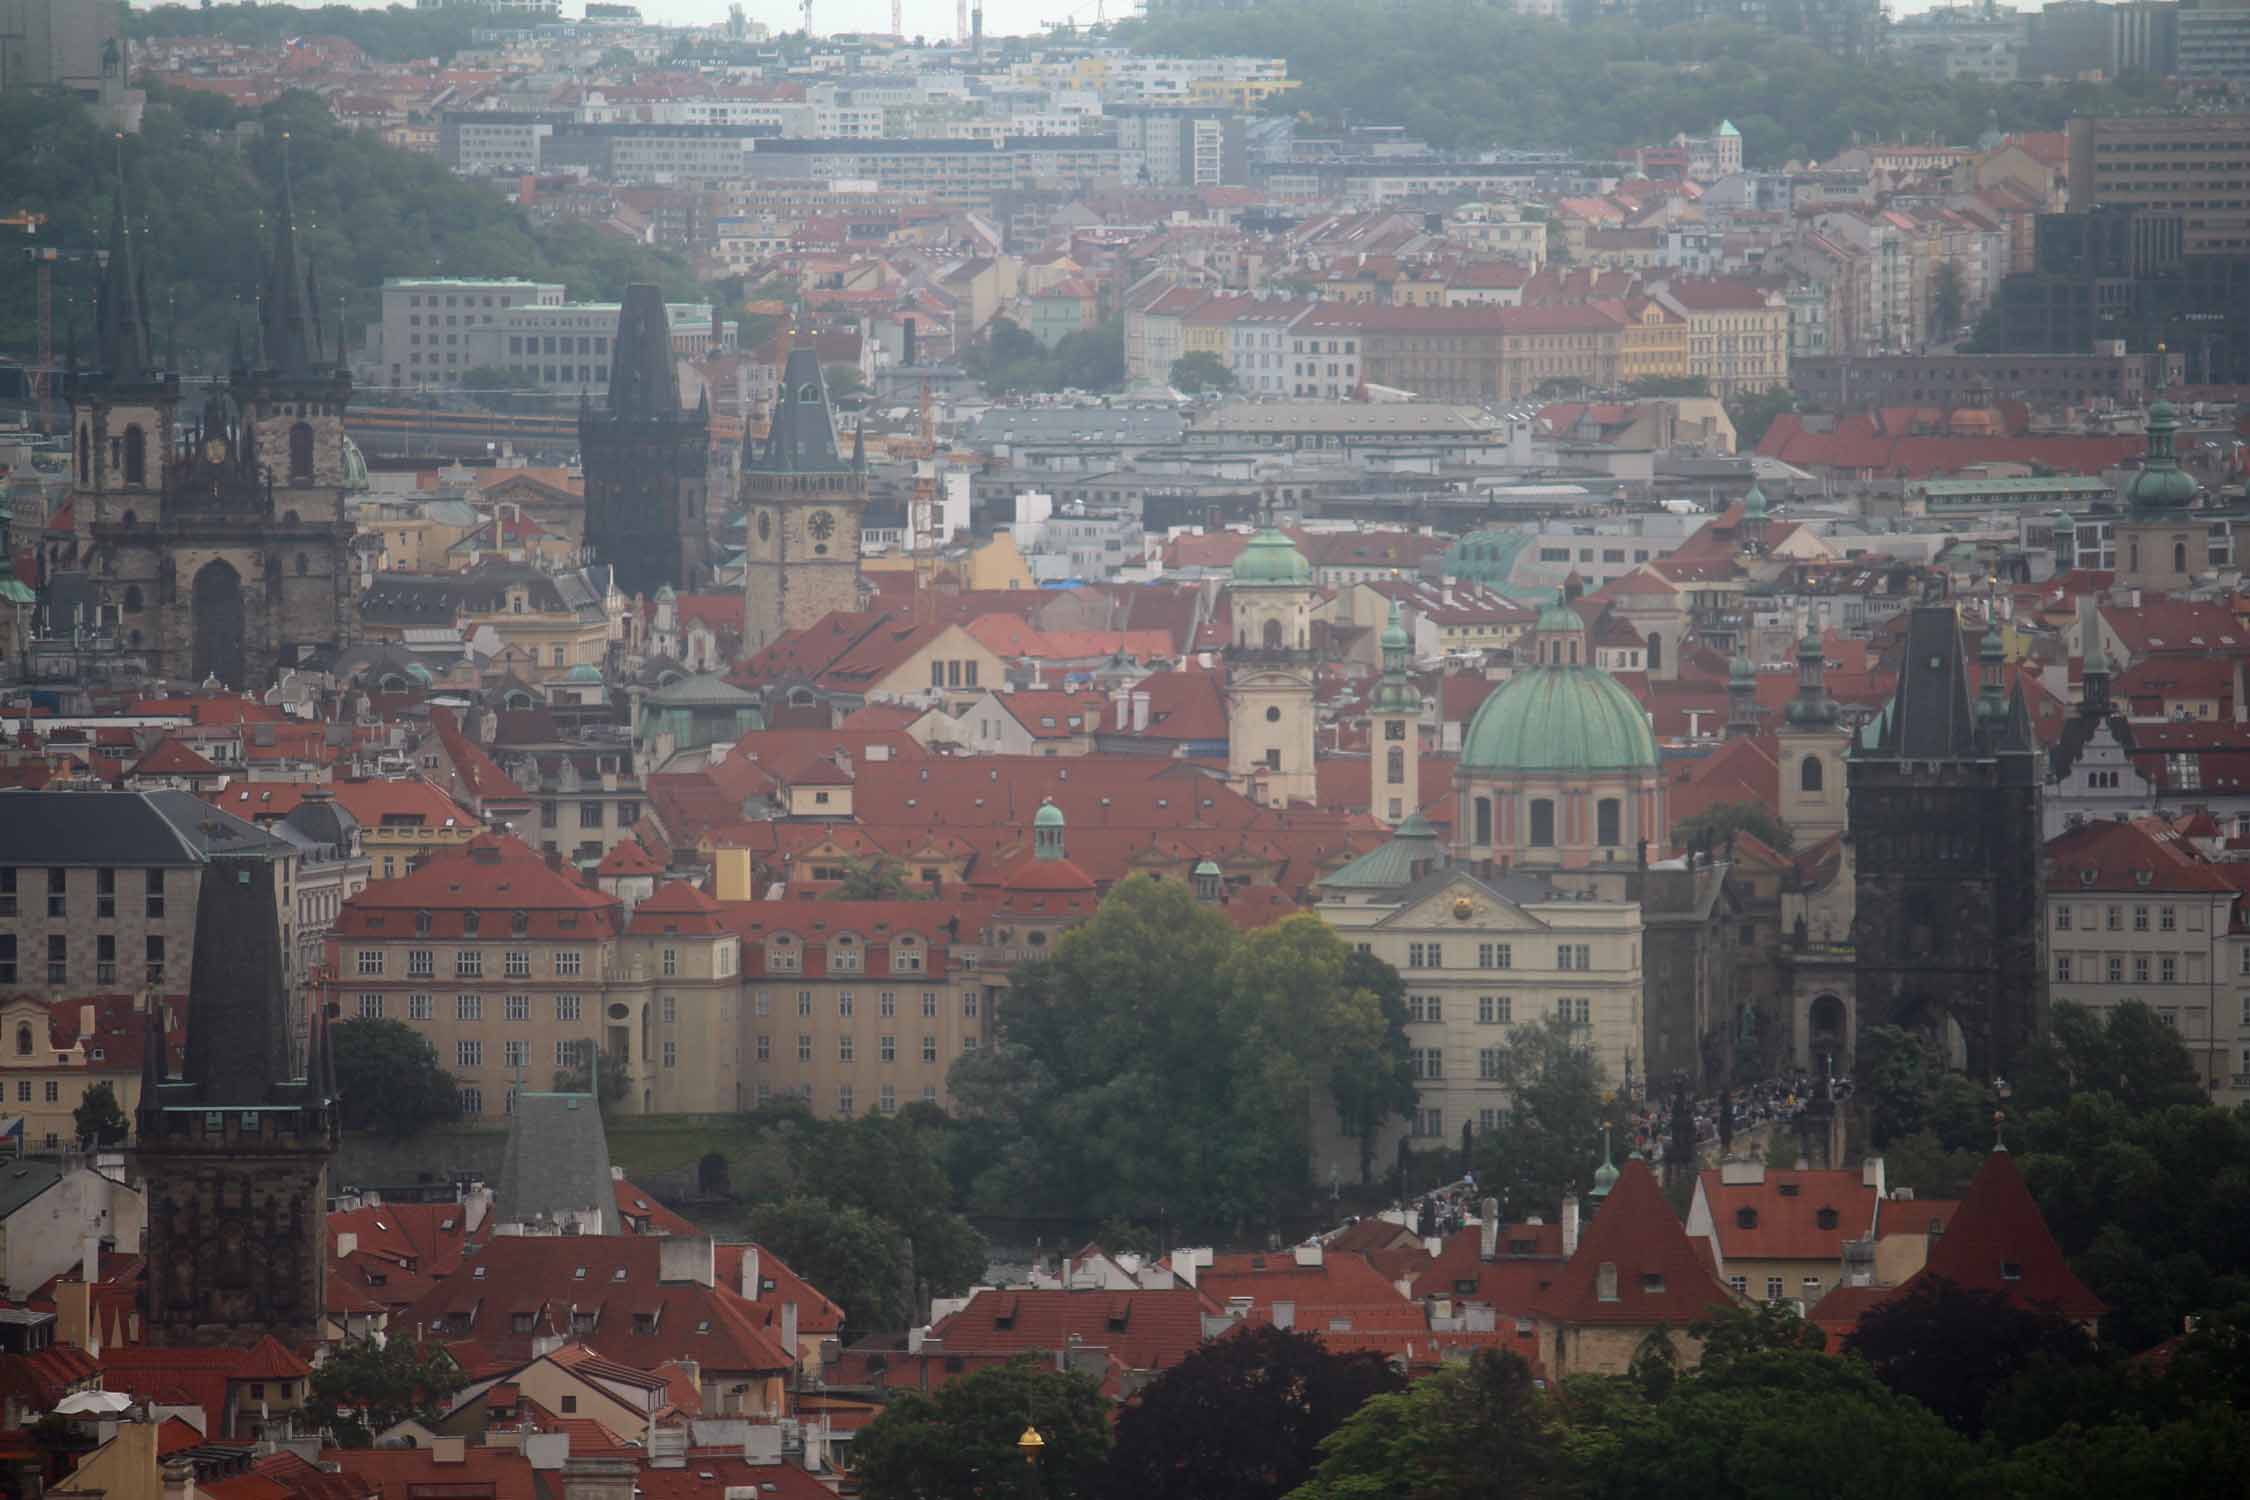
{"type": "Point", "coordinates": [2179, 557]}
{"type": "Point", "coordinates": [1542, 823]}
{"type": "Point", "coordinates": [1609, 822]}
{"type": "Point", "coordinates": [1810, 777]}
{"type": "Point", "coordinates": [302, 565]}
{"type": "Point", "coordinates": [301, 453]}
{"type": "Point", "coordinates": [1394, 766]}
{"type": "Point", "coordinates": [132, 598]}
{"type": "Point", "coordinates": [23, 1039]}
{"type": "Point", "coordinates": [85, 457]}
{"type": "Point", "coordinates": [1484, 820]}
{"type": "Point", "coordinates": [136, 456]}
{"type": "Point", "coordinates": [1272, 636]}
{"type": "Point", "coordinates": [1655, 651]}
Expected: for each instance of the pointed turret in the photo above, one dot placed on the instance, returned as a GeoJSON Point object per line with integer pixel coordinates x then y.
{"type": "Point", "coordinates": [288, 332]}
{"type": "Point", "coordinates": [859, 447]}
{"type": "Point", "coordinates": [644, 383]}
{"type": "Point", "coordinates": [121, 318]}
{"type": "Point", "coordinates": [1812, 706]}
{"type": "Point", "coordinates": [1395, 692]}
{"type": "Point", "coordinates": [1742, 697]}
{"type": "Point", "coordinates": [804, 425]}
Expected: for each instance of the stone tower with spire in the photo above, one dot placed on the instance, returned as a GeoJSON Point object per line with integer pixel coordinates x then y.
{"type": "Point", "coordinates": [802, 499]}
{"type": "Point", "coordinates": [1812, 744]}
{"type": "Point", "coordinates": [1271, 670]}
{"type": "Point", "coordinates": [1945, 825]}
{"type": "Point", "coordinates": [1394, 730]}
{"type": "Point", "coordinates": [224, 553]}
{"type": "Point", "coordinates": [235, 1151]}
{"type": "Point", "coordinates": [646, 473]}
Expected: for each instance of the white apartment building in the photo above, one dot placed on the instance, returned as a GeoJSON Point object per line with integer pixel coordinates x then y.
{"type": "Point", "coordinates": [564, 346]}
{"type": "Point", "coordinates": [423, 336]}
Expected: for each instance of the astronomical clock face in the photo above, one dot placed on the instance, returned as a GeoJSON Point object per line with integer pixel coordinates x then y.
{"type": "Point", "coordinates": [215, 450]}
{"type": "Point", "coordinates": [822, 525]}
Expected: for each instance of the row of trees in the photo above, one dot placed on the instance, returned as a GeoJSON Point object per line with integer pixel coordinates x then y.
{"type": "Point", "coordinates": [202, 193]}
{"type": "Point", "coordinates": [1485, 76]}
{"type": "Point", "coordinates": [1010, 359]}
{"type": "Point", "coordinates": [1941, 1393]}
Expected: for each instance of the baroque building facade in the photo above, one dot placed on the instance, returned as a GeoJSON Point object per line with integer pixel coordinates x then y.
{"type": "Point", "coordinates": [646, 475]}
{"type": "Point", "coordinates": [219, 546]}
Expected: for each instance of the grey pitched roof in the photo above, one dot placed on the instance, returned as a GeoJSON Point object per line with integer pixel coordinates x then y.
{"type": "Point", "coordinates": [167, 829]}
{"type": "Point", "coordinates": [1038, 426]}
{"type": "Point", "coordinates": [1929, 717]}
{"type": "Point", "coordinates": [557, 1161]}
{"type": "Point", "coordinates": [25, 1180]}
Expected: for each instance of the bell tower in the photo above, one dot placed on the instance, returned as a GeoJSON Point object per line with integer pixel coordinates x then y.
{"type": "Point", "coordinates": [1394, 731]}
{"type": "Point", "coordinates": [124, 423]}
{"type": "Point", "coordinates": [802, 501]}
{"type": "Point", "coordinates": [1270, 669]}
{"type": "Point", "coordinates": [1812, 749]}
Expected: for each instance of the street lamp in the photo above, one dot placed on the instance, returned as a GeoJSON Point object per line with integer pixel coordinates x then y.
{"type": "Point", "coordinates": [1029, 1445]}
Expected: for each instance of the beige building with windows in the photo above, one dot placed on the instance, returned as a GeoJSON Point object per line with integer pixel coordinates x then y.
{"type": "Point", "coordinates": [1481, 956]}
{"type": "Point", "coordinates": [2134, 912]}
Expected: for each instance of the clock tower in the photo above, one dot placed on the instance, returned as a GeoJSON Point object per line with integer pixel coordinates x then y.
{"type": "Point", "coordinates": [802, 501]}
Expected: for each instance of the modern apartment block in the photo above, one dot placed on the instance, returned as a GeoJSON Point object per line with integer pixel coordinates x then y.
{"type": "Point", "coordinates": [2197, 166]}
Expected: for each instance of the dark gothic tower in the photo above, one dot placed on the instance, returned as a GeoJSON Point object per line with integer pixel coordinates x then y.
{"type": "Point", "coordinates": [645, 459]}
{"type": "Point", "coordinates": [235, 1153]}
{"type": "Point", "coordinates": [1945, 827]}
{"type": "Point", "coordinates": [125, 416]}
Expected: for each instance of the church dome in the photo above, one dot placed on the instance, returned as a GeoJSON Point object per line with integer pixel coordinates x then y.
{"type": "Point", "coordinates": [1559, 719]}
{"type": "Point", "coordinates": [1271, 558]}
{"type": "Point", "coordinates": [2161, 486]}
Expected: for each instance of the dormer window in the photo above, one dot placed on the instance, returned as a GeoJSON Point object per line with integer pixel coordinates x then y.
{"type": "Point", "coordinates": [1652, 1281]}
{"type": "Point", "coordinates": [477, 1274]}
{"type": "Point", "coordinates": [1826, 1218]}
{"type": "Point", "coordinates": [618, 1274]}
{"type": "Point", "coordinates": [2011, 1270]}
{"type": "Point", "coordinates": [577, 1273]}
{"type": "Point", "coordinates": [1789, 1190]}
{"type": "Point", "coordinates": [519, 923]}
{"type": "Point", "coordinates": [422, 924]}
{"type": "Point", "coordinates": [1745, 1218]}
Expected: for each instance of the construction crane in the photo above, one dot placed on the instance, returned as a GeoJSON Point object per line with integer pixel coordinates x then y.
{"type": "Point", "coordinates": [808, 20]}
{"type": "Point", "coordinates": [961, 22]}
{"type": "Point", "coordinates": [898, 22]}
{"type": "Point", "coordinates": [922, 512]}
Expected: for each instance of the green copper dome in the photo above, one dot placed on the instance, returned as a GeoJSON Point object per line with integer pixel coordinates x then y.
{"type": "Point", "coordinates": [1048, 816]}
{"type": "Point", "coordinates": [1558, 617]}
{"type": "Point", "coordinates": [2162, 485]}
{"type": "Point", "coordinates": [1394, 632]}
{"type": "Point", "coordinates": [1559, 719]}
{"type": "Point", "coordinates": [1271, 558]}
{"type": "Point", "coordinates": [1740, 670]}
{"type": "Point", "coordinates": [1754, 503]}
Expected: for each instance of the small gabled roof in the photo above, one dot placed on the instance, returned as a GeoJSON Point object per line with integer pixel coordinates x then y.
{"type": "Point", "coordinates": [1660, 1275]}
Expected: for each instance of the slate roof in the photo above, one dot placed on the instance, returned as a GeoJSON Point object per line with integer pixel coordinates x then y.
{"type": "Point", "coordinates": [556, 1162]}
{"type": "Point", "coordinates": [160, 829]}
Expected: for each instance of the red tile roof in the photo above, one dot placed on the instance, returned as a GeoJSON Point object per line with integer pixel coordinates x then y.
{"type": "Point", "coordinates": [1144, 1330]}
{"type": "Point", "coordinates": [1997, 1242]}
{"type": "Point", "coordinates": [1785, 1214]}
{"type": "Point", "coordinates": [494, 875]}
{"type": "Point", "coordinates": [482, 1473]}
{"type": "Point", "coordinates": [1661, 1277]}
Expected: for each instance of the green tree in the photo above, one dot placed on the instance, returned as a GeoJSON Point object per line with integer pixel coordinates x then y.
{"type": "Point", "coordinates": [855, 1258]}
{"type": "Point", "coordinates": [390, 1080]}
{"type": "Point", "coordinates": [1242, 1417]}
{"type": "Point", "coordinates": [1950, 1348]}
{"type": "Point", "coordinates": [1091, 360]}
{"type": "Point", "coordinates": [845, 384]}
{"type": "Point", "coordinates": [1753, 412]}
{"type": "Point", "coordinates": [876, 879]}
{"type": "Point", "coordinates": [2126, 1050]}
{"type": "Point", "coordinates": [98, 1122]}
{"type": "Point", "coordinates": [960, 1441]}
{"type": "Point", "coordinates": [2204, 1453]}
{"type": "Point", "coordinates": [1201, 371]}
{"type": "Point", "coordinates": [1371, 1085]}
{"type": "Point", "coordinates": [1946, 299]}
{"type": "Point", "coordinates": [1163, 1063]}
{"type": "Point", "coordinates": [617, 60]}
{"type": "Point", "coordinates": [1725, 818]}
{"type": "Point", "coordinates": [889, 1167]}
{"type": "Point", "coordinates": [1546, 1140]}
{"type": "Point", "coordinates": [600, 1066]}
{"type": "Point", "coordinates": [1474, 1431]}
{"type": "Point", "coordinates": [373, 1387]}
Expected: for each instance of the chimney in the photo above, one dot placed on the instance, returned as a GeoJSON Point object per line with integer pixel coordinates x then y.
{"type": "Point", "coordinates": [1569, 1225]}
{"type": "Point", "coordinates": [347, 1244]}
{"type": "Point", "coordinates": [750, 1272]}
{"type": "Point", "coordinates": [449, 1450]}
{"type": "Point", "coordinates": [789, 1330]}
{"type": "Point", "coordinates": [1488, 1230]}
{"type": "Point", "coordinates": [90, 1257]}
{"type": "Point", "coordinates": [1122, 699]}
{"type": "Point", "coordinates": [1871, 1174]}
{"type": "Point", "coordinates": [1140, 713]}
{"type": "Point", "coordinates": [685, 1258]}
{"type": "Point", "coordinates": [1285, 1315]}
{"type": "Point", "coordinates": [546, 1450]}
{"type": "Point", "coordinates": [1312, 1255]}
{"type": "Point", "coordinates": [179, 1480]}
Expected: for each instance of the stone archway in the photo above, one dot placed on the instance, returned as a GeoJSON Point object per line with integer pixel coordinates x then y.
{"type": "Point", "coordinates": [1828, 1032]}
{"type": "Point", "coordinates": [219, 631]}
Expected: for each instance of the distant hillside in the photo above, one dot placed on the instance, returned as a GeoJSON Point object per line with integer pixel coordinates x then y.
{"type": "Point", "coordinates": [395, 34]}
{"type": "Point", "coordinates": [1470, 74]}
{"type": "Point", "coordinates": [202, 189]}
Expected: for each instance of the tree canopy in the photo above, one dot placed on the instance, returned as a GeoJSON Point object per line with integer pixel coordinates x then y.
{"type": "Point", "coordinates": [1242, 1417]}
{"type": "Point", "coordinates": [203, 193]}
{"type": "Point", "coordinates": [1200, 371]}
{"type": "Point", "coordinates": [389, 1076]}
{"type": "Point", "coordinates": [1462, 74]}
{"type": "Point", "coordinates": [1163, 1062]}
{"type": "Point", "coordinates": [959, 1442]}
{"type": "Point", "coordinates": [372, 1387]}
{"type": "Point", "coordinates": [1546, 1140]}
{"type": "Point", "coordinates": [98, 1120]}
